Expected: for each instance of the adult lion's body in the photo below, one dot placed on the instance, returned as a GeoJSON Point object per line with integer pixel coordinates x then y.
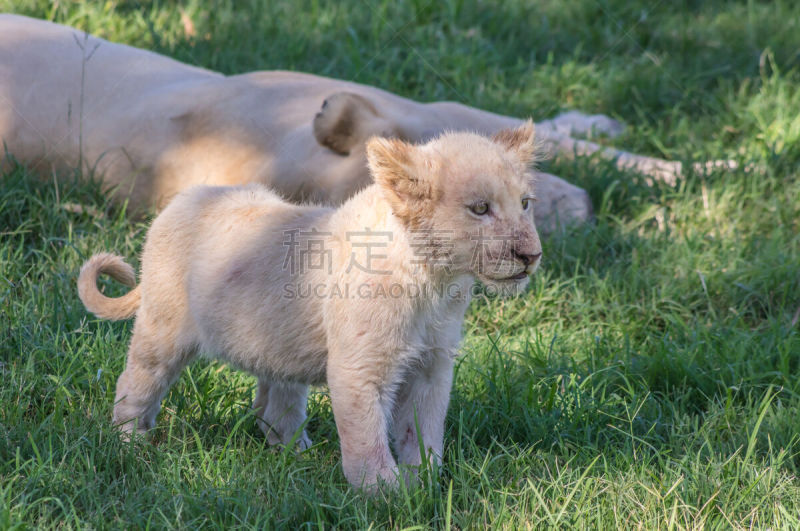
{"type": "Point", "coordinates": [150, 126]}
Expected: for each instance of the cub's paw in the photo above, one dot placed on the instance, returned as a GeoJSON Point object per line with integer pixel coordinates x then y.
{"type": "Point", "coordinates": [302, 442]}
{"type": "Point", "coordinates": [385, 479]}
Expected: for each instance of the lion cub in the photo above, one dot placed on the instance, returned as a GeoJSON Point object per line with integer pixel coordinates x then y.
{"type": "Point", "coordinates": [369, 297]}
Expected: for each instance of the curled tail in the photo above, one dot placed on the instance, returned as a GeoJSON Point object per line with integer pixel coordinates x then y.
{"type": "Point", "coordinates": [106, 307]}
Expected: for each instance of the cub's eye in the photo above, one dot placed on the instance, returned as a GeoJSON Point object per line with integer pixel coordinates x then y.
{"type": "Point", "coordinates": [480, 208]}
{"type": "Point", "coordinates": [526, 203]}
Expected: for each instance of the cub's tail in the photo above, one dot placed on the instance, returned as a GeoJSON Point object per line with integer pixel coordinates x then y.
{"type": "Point", "coordinates": [106, 307]}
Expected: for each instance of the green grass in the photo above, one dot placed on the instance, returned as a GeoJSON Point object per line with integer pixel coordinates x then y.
{"type": "Point", "coordinates": [649, 378]}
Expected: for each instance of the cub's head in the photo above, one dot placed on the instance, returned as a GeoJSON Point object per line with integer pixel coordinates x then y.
{"type": "Point", "coordinates": [467, 201]}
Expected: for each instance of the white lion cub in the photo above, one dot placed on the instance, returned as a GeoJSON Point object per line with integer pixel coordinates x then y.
{"type": "Point", "coordinates": [369, 297]}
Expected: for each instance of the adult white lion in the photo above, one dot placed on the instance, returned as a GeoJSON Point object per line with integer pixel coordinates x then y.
{"type": "Point", "coordinates": [151, 126]}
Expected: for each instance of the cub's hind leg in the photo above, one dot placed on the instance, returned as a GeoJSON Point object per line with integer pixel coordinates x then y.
{"type": "Point", "coordinates": [155, 360]}
{"type": "Point", "coordinates": [281, 411]}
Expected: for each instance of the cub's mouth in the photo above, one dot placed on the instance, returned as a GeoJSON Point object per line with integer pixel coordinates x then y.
{"type": "Point", "coordinates": [516, 277]}
{"type": "Point", "coordinates": [519, 276]}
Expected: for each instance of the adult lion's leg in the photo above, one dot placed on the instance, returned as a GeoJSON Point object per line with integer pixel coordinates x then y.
{"type": "Point", "coordinates": [559, 203]}
{"type": "Point", "coordinates": [659, 170]}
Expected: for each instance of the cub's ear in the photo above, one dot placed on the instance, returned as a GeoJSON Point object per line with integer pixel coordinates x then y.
{"type": "Point", "coordinates": [520, 141]}
{"type": "Point", "coordinates": [395, 166]}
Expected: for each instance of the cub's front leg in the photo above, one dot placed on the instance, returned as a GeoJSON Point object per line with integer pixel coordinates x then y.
{"type": "Point", "coordinates": [360, 396]}
{"type": "Point", "coordinates": [422, 404]}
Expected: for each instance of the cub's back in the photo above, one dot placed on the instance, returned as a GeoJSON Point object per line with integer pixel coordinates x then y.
{"type": "Point", "coordinates": [224, 251]}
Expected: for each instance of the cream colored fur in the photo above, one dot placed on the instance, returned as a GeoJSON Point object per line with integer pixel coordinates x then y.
{"type": "Point", "coordinates": [216, 279]}
{"type": "Point", "coordinates": [151, 126]}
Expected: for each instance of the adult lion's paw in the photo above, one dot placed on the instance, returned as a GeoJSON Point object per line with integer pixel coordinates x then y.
{"type": "Point", "coordinates": [574, 123]}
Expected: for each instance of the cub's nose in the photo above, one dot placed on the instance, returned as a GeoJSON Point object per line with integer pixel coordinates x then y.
{"type": "Point", "coordinates": [527, 259]}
